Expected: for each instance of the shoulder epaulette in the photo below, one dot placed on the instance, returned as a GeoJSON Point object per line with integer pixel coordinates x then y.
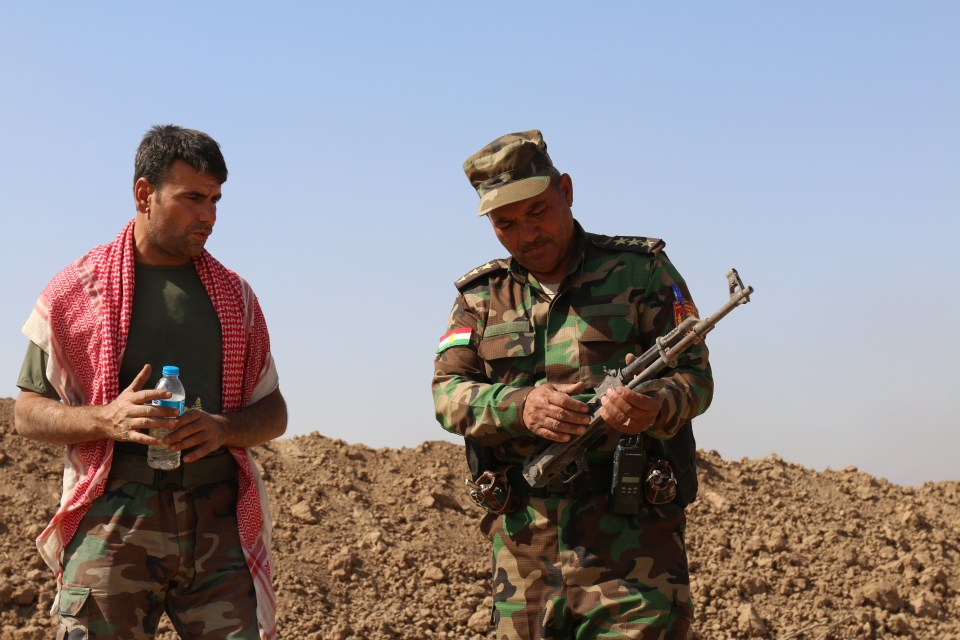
{"type": "Point", "coordinates": [475, 274]}
{"type": "Point", "coordinates": [634, 244]}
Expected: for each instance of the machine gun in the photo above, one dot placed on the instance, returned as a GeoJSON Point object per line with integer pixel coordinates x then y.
{"type": "Point", "coordinates": [567, 460]}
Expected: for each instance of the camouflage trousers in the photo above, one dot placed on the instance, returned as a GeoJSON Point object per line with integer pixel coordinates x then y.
{"type": "Point", "coordinates": [140, 552]}
{"type": "Point", "coordinates": [567, 568]}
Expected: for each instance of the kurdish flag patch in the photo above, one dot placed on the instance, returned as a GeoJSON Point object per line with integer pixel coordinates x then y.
{"type": "Point", "coordinates": [455, 338]}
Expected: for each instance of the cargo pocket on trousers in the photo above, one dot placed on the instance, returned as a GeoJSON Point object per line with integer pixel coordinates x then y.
{"type": "Point", "coordinates": [74, 613]}
{"type": "Point", "coordinates": [517, 521]}
{"type": "Point", "coordinates": [509, 524]}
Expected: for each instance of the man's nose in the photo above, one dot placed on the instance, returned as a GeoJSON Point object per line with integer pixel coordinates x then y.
{"type": "Point", "coordinates": [208, 212]}
{"type": "Point", "coordinates": [530, 231]}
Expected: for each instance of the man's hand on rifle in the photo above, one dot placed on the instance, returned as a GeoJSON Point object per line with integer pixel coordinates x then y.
{"type": "Point", "coordinates": [551, 413]}
{"type": "Point", "coordinates": [626, 410]}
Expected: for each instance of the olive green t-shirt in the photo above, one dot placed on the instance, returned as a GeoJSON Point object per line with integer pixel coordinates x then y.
{"type": "Point", "coordinates": [173, 323]}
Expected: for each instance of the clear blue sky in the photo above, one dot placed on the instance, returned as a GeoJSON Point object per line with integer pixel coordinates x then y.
{"type": "Point", "coordinates": [813, 145]}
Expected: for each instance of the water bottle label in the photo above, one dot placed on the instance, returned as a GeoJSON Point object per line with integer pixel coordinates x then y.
{"type": "Point", "coordinates": [176, 404]}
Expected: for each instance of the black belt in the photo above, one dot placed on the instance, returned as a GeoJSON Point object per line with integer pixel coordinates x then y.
{"type": "Point", "coordinates": [133, 467]}
{"type": "Point", "coordinates": [594, 481]}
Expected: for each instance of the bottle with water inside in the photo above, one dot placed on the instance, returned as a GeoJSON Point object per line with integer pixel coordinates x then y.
{"type": "Point", "coordinates": [160, 456]}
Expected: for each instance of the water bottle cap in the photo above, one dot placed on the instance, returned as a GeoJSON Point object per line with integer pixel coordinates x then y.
{"type": "Point", "coordinates": [170, 370]}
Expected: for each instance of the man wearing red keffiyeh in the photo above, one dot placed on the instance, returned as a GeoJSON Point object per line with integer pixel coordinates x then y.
{"type": "Point", "coordinates": [129, 543]}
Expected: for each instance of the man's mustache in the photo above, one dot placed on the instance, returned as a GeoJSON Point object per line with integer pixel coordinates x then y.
{"type": "Point", "coordinates": [536, 244]}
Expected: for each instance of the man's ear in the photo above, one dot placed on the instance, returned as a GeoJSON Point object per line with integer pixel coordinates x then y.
{"type": "Point", "coordinates": [566, 188]}
{"type": "Point", "coordinates": [142, 190]}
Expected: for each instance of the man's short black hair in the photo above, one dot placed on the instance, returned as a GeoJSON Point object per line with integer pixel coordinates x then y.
{"type": "Point", "coordinates": [165, 143]}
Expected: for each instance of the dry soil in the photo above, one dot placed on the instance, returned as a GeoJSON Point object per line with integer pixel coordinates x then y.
{"type": "Point", "coordinates": [383, 543]}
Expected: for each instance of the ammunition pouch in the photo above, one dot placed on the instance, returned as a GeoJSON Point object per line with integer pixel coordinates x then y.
{"type": "Point", "coordinates": [681, 452]}
{"type": "Point", "coordinates": [479, 458]}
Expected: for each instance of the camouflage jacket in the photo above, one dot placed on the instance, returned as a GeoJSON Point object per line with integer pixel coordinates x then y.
{"type": "Point", "coordinates": [617, 299]}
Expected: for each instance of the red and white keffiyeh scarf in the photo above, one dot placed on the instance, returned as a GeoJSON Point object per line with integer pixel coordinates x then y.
{"type": "Point", "coordinates": [82, 320]}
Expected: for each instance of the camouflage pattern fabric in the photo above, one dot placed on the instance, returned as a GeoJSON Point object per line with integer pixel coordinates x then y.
{"type": "Point", "coordinates": [629, 572]}
{"type": "Point", "coordinates": [513, 167]}
{"type": "Point", "coordinates": [508, 159]}
{"type": "Point", "coordinates": [617, 300]}
{"type": "Point", "coordinates": [140, 552]}
{"type": "Point", "coordinates": [569, 569]}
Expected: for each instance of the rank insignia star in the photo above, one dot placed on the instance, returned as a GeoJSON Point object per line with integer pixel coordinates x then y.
{"type": "Point", "coordinates": [475, 271]}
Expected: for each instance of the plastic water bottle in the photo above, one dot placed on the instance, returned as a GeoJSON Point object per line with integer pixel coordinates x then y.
{"type": "Point", "coordinates": [160, 456]}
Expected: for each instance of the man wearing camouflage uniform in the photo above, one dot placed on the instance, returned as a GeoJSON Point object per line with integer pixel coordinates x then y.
{"type": "Point", "coordinates": [528, 340]}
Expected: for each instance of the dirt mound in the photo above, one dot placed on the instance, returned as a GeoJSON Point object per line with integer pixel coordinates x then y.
{"type": "Point", "coordinates": [383, 543]}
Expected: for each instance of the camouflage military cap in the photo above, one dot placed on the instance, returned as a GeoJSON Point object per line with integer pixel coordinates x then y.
{"type": "Point", "coordinates": [513, 167]}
